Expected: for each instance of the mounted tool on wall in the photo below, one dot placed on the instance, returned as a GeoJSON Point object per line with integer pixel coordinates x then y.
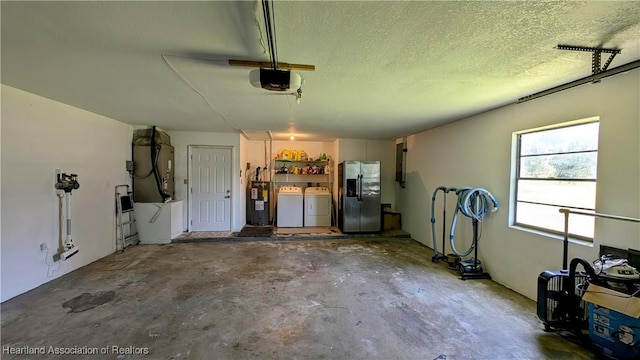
{"type": "Point", "coordinates": [473, 203]}
{"type": "Point", "coordinates": [65, 183]}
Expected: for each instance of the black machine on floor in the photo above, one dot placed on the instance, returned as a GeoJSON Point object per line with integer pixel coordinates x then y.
{"type": "Point", "coordinates": [559, 304]}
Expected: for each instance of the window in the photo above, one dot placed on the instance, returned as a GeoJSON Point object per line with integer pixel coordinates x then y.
{"type": "Point", "coordinates": [556, 168]}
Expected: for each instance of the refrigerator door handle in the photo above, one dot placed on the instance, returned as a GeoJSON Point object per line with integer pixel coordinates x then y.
{"type": "Point", "coordinates": [360, 189]}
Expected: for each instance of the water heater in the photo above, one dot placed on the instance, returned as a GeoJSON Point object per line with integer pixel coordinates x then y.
{"type": "Point", "coordinates": [258, 203]}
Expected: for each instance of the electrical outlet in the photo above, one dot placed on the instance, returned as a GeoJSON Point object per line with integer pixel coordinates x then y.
{"type": "Point", "coordinates": [43, 247]}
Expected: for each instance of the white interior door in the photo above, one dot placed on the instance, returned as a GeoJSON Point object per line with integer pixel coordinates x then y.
{"type": "Point", "coordinates": [210, 189]}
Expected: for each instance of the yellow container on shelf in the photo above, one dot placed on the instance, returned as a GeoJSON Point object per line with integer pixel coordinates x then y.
{"type": "Point", "coordinates": [286, 154]}
{"type": "Point", "coordinates": [294, 155]}
{"type": "Point", "coordinates": [302, 156]}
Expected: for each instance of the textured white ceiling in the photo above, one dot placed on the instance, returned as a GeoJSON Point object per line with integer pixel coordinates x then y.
{"type": "Point", "coordinates": [383, 69]}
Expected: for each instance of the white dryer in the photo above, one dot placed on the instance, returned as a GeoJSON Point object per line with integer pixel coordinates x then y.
{"type": "Point", "coordinates": [317, 206]}
{"type": "Point", "coordinates": [290, 206]}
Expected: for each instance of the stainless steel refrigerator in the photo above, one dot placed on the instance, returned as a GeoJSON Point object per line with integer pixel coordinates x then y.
{"type": "Point", "coordinates": [359, 196]}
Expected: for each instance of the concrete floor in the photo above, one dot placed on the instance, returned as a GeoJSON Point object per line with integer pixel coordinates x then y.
{"type": "Point", "coordinates": [365, 298]}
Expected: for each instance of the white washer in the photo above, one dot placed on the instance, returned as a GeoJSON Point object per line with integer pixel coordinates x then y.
{"type": "Point", "coordinates": [290, 206]}
{"type": "Point", "coordinates": [317, 206]}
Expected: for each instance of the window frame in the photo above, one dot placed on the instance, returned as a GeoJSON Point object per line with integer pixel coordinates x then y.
{"type": "Point", "coordinates": [517, 178]}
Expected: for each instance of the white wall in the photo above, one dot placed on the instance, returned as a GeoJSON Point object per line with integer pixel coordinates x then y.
{"type": "Point", "coordinates": [261, 153]}
{"type": "Point", "coordinates": [257, 153]}
{"type": "Point", "coordinates": [38, 136]}
{"type": "Point", "coordinates": [476, 152]}
{"type": "Point", "coordinates": [180, 141]}
{"type": "Point", "coordinates": [313, 149]}
{"type": "Point", "coordinates": [338, 150]}
{"type": "Point", "coordinates": [253, 152]}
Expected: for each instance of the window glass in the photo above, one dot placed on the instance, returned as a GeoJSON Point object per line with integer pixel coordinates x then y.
{"type": "Point", "coordinates": [560, 166]}
{"type": "Point", "coordinates": [557, 168]}
{"type": "Point", "coordinates": [579, 195]}
{"type": "Point", "coordinates": [546, 217]}
{"type": "Point", "coordinates": [560, 140]}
